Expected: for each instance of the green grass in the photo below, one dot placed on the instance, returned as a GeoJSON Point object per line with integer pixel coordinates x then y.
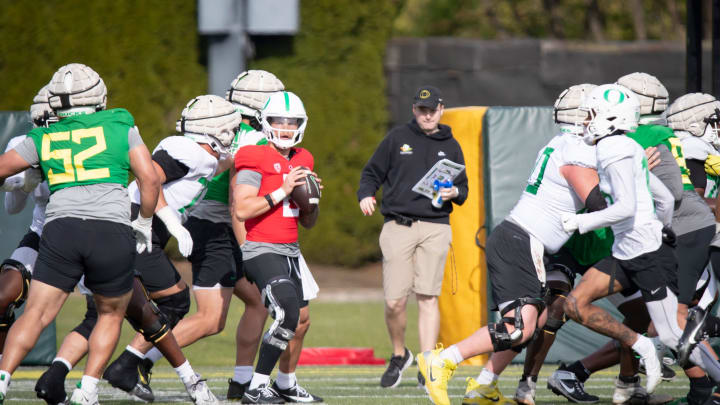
{"type": "Point", "coordinates": [333, 324]}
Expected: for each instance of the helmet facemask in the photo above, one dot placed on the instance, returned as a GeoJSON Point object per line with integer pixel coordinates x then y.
{"type": "Point", "coordinates": [712, 127]}
{"type": "Point", "coordinates": [611, 109]}
{"type": "Point", "coordinates": [284, 108]}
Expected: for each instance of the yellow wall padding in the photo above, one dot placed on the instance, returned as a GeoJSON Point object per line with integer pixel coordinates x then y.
{"type": "Point", "coordinates": [463, 301]}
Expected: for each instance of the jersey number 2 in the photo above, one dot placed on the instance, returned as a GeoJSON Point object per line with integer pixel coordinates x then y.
{"type": "Point", "coordinates": [539, 171]}
{"type": "Point", "coordinates": [74, 165]}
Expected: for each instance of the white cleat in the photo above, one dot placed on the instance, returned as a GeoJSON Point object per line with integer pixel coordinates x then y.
{"type": "Point", "coordinates": [200, 392]}
{"type": "Point", "coordinates": [525, 393]}
{"type": "Point", "coordinates": [80, 397]}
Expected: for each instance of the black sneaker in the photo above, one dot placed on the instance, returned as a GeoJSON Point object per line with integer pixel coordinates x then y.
{"type": "Point", "coordinates": [123, 373]}
{"type": "Point", "coordinates": [236, 390]}
{"type": "Point", "coordinates": [295, 394]}
{"type": "Point", "coordinates": [392, 376]}
{"type": "Point", "coordinates": [51, 385]}
{"type": "Point", "coordinates": [566, 384]}
{"type": "Point", "coordinates": [262, 395]}
{"type": "Point", "coordinates": [692, 335]}
{"type": "Point", "coordinates": [668, 374]}
{"type": "Point", "coordinates": [421, 380]}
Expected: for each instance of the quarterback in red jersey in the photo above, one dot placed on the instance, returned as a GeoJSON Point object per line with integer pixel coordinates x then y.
{"type": "Point", "coordinates": [266, 176]}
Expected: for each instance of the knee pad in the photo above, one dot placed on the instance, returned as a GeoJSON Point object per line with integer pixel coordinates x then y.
{"type": "Point", "coordinates": [520, 347]}
{"type": "Point", "coordinates": [145, 317]}
{"type": "Point", "coordinates": [280, 297]}
{"type": "Point", "coordinates": [499, 335]}
{"type": "Point", "coordinates": [7, 317]}
{"type": "Point", "coordinates": [552, 325]}
{"type": "Point", "coordinates": [175, 306]}
{"type": "Point", "coordinates": [87, 325]}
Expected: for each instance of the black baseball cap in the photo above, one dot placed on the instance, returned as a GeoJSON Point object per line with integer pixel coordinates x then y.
{"type": "Point", "coordinates": [428, 96]}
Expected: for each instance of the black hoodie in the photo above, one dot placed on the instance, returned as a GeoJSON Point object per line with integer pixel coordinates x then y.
{"type": "Point", "coordinates": [400, 161]}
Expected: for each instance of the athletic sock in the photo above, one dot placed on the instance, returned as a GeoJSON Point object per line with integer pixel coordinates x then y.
{"type": "Point", "coordinates": [4, 381]}
{"type": "Point", "coordinates": [631, 379]}
{"type": "Point", "coordinates": [89, 384]}
{"type": "Point", "coordinates": [258, 380]}
{"type": "Point", "coordinates": [185, 372]}
{"type": "Point", "coordinates": [700, 390]}
{"type": "Point", "coordinates": [243, 374]}
{"type": "Point", "coordinates": [579, 370]}
{"type": "Point", "coordinates": [154, 355]}
{"type": "Point", "coordinates": [61, 365]}
{"type": "Point", "coordinates": [285, 381]}
{"type": "Point", "coordinates": [453, 354]}
{"type": "Point", "coordinates": [487, 377]}
{"type": "Point", "coordinates": [524, 377]}
{"type": "Point", "coordinates": [135, 352]}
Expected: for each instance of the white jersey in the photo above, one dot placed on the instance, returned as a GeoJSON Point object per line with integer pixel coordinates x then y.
{"type": "Point", "coordinates": [15, 200]}
{"type": "Point", "coordinates": [182, 194]}
{"type": "Point", "coordinates": [639, 232]}
{"type": "Point", "coordinates": [213, 207]}
{"type": "Point", "coordinates": [696, 148]}
{"type": "Point", "coordinates": [548, 195]}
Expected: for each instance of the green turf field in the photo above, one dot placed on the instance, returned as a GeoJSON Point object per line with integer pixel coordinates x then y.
{"type": "Point", "coordinates": [333, 324]}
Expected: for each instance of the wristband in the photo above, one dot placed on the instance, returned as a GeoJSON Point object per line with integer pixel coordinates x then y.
{"type": "Point", "coordinates": [269, 200]}
{"type": "Point", "coordinates": [278, 195]}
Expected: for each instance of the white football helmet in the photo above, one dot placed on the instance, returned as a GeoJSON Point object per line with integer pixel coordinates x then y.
{"type": "Point", "coordinates": [611, 108]}
{"type": "Point", "coordinates": [76, 89]}
{"type": "Point", "coordinates": [280, 106]}
{"type": "Point", "coordinates": [40, 112]}
{"type": "Point", "coordinates": [653, 96]}
{"type": "Point", "coordinates": [697, 114]}
{"type": "Point", "coordinates": [251, 89]}
{"type": "Point", "coordinates": [566, 110]}
{"type": "Point", "coordinates": [212, 120]}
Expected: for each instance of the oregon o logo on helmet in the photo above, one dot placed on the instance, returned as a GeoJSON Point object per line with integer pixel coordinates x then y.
{"type": "Point", "coordinates": [614, 96]}
{"type": "Point", "coordinates": [424, 94]}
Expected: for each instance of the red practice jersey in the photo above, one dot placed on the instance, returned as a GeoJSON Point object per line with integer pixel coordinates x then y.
{"type": "Point", "coordinates": [279, 225]}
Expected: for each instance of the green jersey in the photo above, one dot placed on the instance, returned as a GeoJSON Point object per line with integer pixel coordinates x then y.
{"type": "Point", "coordinates": [591, 247]}
{"type": "Point", "coordinates": [85, 149]}
{"type": "Point", "coordinates": [654, 135]}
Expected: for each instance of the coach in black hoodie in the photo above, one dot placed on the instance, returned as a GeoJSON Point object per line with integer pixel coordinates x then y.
{"type": "Point", "coordinates": [416, 236]}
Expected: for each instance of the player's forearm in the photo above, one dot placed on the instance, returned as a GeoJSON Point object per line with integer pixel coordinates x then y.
{"type": "Point", "coordinates": [624, 206]}
{"type": "Point", "coordinates": [251, 207]}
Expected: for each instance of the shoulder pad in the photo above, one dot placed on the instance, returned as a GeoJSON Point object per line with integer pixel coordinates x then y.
{"type": "Point", "coordinates": [614, 148]}
{"type": "Point", "coordinates": [696, 148]}
{"type": "Point", "coordinates": [579, 154]}
{"type": "Point", "coordinates": [248, 157]}
{"type": "Point", "coordinates": [121, 115]}
{"type": "Point", "coordinates": [303, 158]}
{"type": "Point", "coordinates": [15, 141]}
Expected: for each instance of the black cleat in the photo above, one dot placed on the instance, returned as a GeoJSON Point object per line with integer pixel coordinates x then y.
{"type": "Point", "coordinates": [392, 376]}
{"type": "Point", "coordinates": [236, 390]}
{"type": "Point", "coordinates": [142, 389]}
{"type": "Point", "coordinates": [295, 394]}
{"type": "Point", "coordinates": [51, 385]}
{"type": "Point", "coordinates": [421, 380]}
{"type": "Point", "coordinates": [262, 395]}
{"type": "Point", "coordinates": [566, 384]}
{"type": "Point", "coordinates": [122, 375]}
{"type": "Point", "coordinates": [692, 335]}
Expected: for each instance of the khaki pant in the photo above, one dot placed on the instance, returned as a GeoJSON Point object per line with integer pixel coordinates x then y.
{"type": "Point", "coordinates": [414, 258]}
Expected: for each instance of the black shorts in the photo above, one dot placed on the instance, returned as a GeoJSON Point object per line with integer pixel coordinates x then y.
{"type": "Point", "coordinates": [564, 262]}
{"type": "Point", "coordinates": [30, 240]}
{"type": "Point", "coordinates": [155, 269]}
{"type": "Point", "coordinates": [102, 250]}
{"type": "Point", "coordinates": [216, 257]}
{"type": "Point", "coordinates": [510, 264]}
{"type": "Point", "coordinates": [267, 266]}
{"type": "Point", "coordinates": [693, 254]}
{"type": "Point", "coordinates": [650, 273]}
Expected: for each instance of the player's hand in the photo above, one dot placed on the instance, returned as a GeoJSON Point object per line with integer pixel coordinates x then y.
{"type": "Point", "coordinates": [294, 178]}
{"type": "Point", "coordinates": [367, 205]}
{"type": "Point", "coordinates": [448, 193]}
{"type": "Point", "coordinates": [173, 225]}
{"type": "Point", "coordinates": [653, 157]}
{"type": "Point", "coordinates": [143, 233]}
{"type": "Point", "coordinates": [33, 177]}
{"type": "Point", "coordinates": [12, 184]}
{"type": "Point", "coordinates": [569, 222]}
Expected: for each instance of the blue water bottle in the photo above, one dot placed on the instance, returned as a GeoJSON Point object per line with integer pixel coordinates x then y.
{"type": "Point", "coordinates": [437, 201]}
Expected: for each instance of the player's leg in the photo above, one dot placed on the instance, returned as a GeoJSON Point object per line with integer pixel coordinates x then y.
{"type": "Point", "coordinates": [247, 336]}
{"type": "Point", "coordinates": [51, 384]}
{"type": "Point", "coordinates": [397, 243]}
{"type": "Point", "coordinates": [15, 276]}
{"type": "Point", "coordinates": [270, 272]}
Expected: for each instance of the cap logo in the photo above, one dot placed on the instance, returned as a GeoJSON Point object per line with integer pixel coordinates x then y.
{"type": "Point", "coordinates": [424, 94]}
{"type": "Point", "coordinates": [614, 96]}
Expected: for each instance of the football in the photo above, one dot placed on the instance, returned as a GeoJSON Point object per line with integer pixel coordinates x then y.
{"type": "Point", "coordinates": [307, 195]}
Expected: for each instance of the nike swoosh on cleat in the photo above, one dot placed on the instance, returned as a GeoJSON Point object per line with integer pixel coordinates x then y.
{"type": "Point", "coordinates": [570, 390]}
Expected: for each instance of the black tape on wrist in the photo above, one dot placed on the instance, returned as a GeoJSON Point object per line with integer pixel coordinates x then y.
{"type": "Point", "coordinates": [268, 198]}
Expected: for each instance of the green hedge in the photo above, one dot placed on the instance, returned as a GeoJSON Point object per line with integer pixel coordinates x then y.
{"type": "Point", "coordinates": [148, 54]}
{"type": "Point", "coordinates": [335, 65]}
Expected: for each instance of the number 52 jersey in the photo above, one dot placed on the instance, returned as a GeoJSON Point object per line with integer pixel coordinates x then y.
{"type": "Point", "coordinates": [548, 195]}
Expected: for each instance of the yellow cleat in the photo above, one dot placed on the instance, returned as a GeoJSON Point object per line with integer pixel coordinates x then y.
{"type": "Point", "coordinates": [437, 372]}
{"type": "Point", "coordinates": [484, 394]}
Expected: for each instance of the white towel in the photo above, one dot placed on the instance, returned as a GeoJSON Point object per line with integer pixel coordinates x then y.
{"type": "Point", "coordinates": [537, 251]}
{"type": "Point", "coordinates": [309, 286]}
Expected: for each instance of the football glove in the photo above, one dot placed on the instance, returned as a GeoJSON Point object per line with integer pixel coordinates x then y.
{"type": "Point", "coordinates": [171, 221]}
{"type": "Point", "coordinates": [569, 222]}
{"type": "Point", "coordinates": [13, 183]}
{"type": "Point", "coordinates": [143, 233]}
